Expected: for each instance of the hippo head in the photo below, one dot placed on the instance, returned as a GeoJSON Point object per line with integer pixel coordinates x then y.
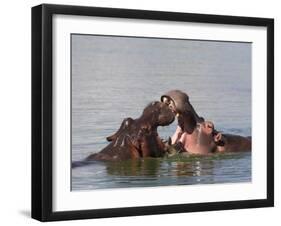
{"type": "Point", "coordinates": [179, 103]}
{"type": "Point", "coordinates": [158, 114]}
{"type": "Point", "coordinates": [203, 140]}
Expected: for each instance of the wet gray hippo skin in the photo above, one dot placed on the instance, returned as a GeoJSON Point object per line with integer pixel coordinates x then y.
{"type": "Point", "coordinates": [205, 140]}
{"type": "Point", "coordinates": [179, 102]}
{"type": "Point", "coordinates": [138, 138]}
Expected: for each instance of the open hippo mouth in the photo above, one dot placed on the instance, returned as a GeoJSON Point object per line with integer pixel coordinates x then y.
{"type": "Point", "coordinates": [178, 102]}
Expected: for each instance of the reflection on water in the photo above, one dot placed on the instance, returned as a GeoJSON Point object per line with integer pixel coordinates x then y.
{"type": "Point", "coordinates": [176, 170]}
{"type": "Point", "coordinates": [116, 77]}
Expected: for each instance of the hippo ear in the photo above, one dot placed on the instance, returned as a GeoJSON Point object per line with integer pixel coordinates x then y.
{"type": "Point", "coordinates": [114, 136]}
{"type": "Point", "coordinates": [111, 138]}
{"type": "Point", "coordinates": [124, 125]}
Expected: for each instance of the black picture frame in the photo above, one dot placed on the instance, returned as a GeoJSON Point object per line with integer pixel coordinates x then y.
{"type": "Point", "coordinates": [42, 111]}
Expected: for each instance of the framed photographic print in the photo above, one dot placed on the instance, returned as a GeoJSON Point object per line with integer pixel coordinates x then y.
{"type": "Point", "coordinates": [145, 112]}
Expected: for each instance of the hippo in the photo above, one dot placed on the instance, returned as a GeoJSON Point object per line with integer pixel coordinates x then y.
{"type": "Point", "coordinates": [179, 102]}
{"type": "Point", "coordinates": [138, 138]}
{"type": "Point", "coordinates": [194, 135]}
{"type": "Point", "coordinates": [205, 140]}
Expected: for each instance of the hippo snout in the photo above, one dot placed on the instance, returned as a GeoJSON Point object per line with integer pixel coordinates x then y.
{"type": "Point", "coordinates": [178, 101]}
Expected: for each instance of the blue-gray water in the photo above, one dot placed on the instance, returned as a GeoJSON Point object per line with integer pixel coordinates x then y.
{"type": "Point", "coordinates": [116, 77]}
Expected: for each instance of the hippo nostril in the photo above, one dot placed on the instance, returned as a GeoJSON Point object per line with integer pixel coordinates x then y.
{"type": "Point", "coordinates": [165, 100]}
{"type": "Point", "coordinates": [210, 125]}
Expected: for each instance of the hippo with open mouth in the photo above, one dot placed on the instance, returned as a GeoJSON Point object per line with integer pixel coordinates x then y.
{"type": "Point", "coordinates": [205, 139]}
{"type": "Point", "coordinates": [194, 135]}
{"type": "Point", "coordinates": [138, 138]}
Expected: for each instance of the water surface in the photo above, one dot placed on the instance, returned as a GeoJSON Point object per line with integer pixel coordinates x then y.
{"type": "Point", "coordinates": [116, 77]}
